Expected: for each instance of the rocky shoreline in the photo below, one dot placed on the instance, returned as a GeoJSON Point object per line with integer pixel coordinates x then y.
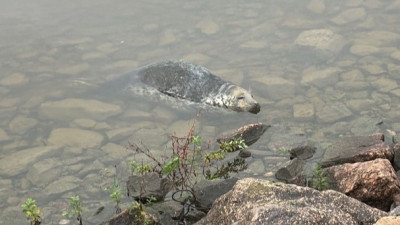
{"type": "Point", "coordinates": [362, 188]}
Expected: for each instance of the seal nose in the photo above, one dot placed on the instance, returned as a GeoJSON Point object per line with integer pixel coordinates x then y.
{"type": "Point", "coordinates": [255, 109]}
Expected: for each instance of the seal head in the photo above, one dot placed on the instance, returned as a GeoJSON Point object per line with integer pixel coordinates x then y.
{"type": "Point", "coordinates": [234, 98]}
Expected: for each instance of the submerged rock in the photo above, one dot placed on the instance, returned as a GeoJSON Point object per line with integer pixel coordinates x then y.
{"type": "Point", "coordinates": [357, 149]}
{"type": "Point", "coordinates": [249, 133]}
{"type": "Point", "coordinates": [73, 108]}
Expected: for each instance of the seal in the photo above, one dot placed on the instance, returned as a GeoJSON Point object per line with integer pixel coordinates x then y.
{"type": "Point", "coordinates": [184, 80]}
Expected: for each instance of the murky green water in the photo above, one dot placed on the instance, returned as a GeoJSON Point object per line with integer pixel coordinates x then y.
{"type": "Point", "coordinates": [320, 70]}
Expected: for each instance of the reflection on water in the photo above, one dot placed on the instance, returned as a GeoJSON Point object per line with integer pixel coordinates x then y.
{"type": "Point", "coordinates": [320, 69]}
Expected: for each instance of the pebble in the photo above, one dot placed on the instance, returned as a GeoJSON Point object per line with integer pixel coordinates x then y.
{"type": "Point", "coordinates": [74, 137]}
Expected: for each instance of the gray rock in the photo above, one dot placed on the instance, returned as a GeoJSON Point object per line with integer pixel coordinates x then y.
{"type": "Point", "coordinates": [43, 172]}
{"type": "Point", "coordinates": [333, 112]}
{"type": "Point", "coordinates": [303, 112]}
{"type": "Point", "coordinates": [302, 152]}
{"type": "Point", "coordinates": [249, 133]}
{"type": "Point", "coordinates": [207, 191]}
{"type": "Point", "coordinates": [291, 170]}
{"type": "Point", "coordinates": [62, 185]}
{"type": "Point", "coordinates": [357, 149]}
{"type": "Point", "coordinates": [73, 137]}
{"type": "Point", "coordinates": [21, 124]}
{"type": "Point", "coordinates": [275, 88]}
{"type": "Point", "coordinates": [320, 78]}
{"type": "Point", "coordinates": [148, 185]}
{"type": "Point", "coordinates": [324, 41]}
{"type": "Point", "coordinates": [396, 159]}
{"type": "Point", "coordinates": [20, 161]}
{"type": "Point", "coordinates": [73, 108]}
{"type": "Point", "coordinates": [350, 15]}
{"type": "Point", "coordinates": [254, 201]}
{"type": "Point", "coordinates": [3, 135]}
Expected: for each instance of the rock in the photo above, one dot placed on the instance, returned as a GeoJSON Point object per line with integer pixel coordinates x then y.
{"type": "Point", "coordinates": [249, 133]}
{"type": "Point", "coordinates": [282, 142]}
{"type": "Point", "coordinates": [373, 182]}
{"type": "Point", "coordinates": [127, 217]}
{"type": "Point", "coordinates": [73, 108]}
{"type": "Point", "coordinates": [21, 124]}
{"type": "Point", "coordinates": [254, 201]}
{"type": "Point", "coordinates": [169, 36]}
{"type": "Point", "coordinates": [357, 149]}
{"type": "Point", "coordinates": [73, 69]}
{"type": "Point", "coordinates": [116, 151]}
{"type": "Point", "coordinates": [3, 135]}
{"type": "Point", "coordinates": [44, 172]}
{"type": "Point", "coordinates": [208, 191]}
{"type": "Point", "coordinates": [385, 85]}
{"type": "Point", "coordinates": [62, 185]}
{"type": "Point", "coordinates": [124, 64]}
{"type": "Point", "coordinates": [333, 112]}
{"type": "Point", "coordinates": [363, 50]}
{"type": "Point", "coordinates": [303, 112]}
{"type": "Point", "coordinates": [256, 167]}
{"type": "Point", "coordinates": [14, 79]}
{"type": "Point", "coordinates": [323, 41]}
{"type": "Point", "coordinates": [388, 220]}
{"type": "Point", "coordinates": [244, 153]}
{"type": "Point", "coordinates": [396, 158]}
{"type": "Point", "coordinates": [148, 185]}
{"type": "Point", "coordinates": [254, 44]}
{"type": "Point", "coordinates": [120, 133]}
{"type": "Point", "coordinates": [275, 88]}
{"type": "Point", "coordinates": [302, 152]}
{"type": "Point", "coordinates": [208, 27]}
{"type": "Point", "coordinates": [350, 15]}
{"type": "Point", "coordinates": [291, 171]}
{"type": "Point", "coordinates": [74, 137]}
{"type": "Point", "coordinates": [320, 78]}
{"type": "Point", "coordinates": [21, 161]}
{"type": "Point", "coordinates": [316, 6]}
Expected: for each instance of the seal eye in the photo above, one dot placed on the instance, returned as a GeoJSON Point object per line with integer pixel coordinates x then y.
{"type": "Point", "coordinates": [240, 98]}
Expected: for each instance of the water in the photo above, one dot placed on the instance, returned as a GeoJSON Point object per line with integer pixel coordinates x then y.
{"type": "Point", "coordinates": [55, 140]}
